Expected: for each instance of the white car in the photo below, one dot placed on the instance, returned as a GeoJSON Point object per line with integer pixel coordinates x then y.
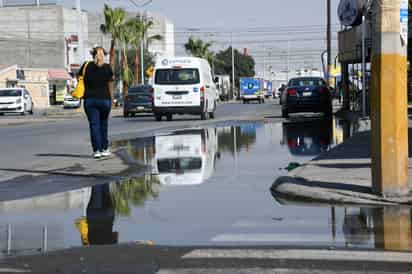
{"type": "Point", "coordinates": [70, 102]}
{"type": "Point", "coordinates": [15, 100]}
{"type": "Point", "coordinates": [184, 86]}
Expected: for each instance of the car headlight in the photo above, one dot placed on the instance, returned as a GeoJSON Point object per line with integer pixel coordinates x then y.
{"type": "Point", "coordinates": [18, 101]}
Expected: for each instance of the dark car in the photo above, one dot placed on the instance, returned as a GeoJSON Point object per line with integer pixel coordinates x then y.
{"type": "Point", "coordinates": [138, 100]}
{"type": "Point", "coordinates": [307, 94]}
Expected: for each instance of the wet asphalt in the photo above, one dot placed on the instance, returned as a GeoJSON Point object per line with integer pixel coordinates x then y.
{"type": "Point", "coordinates": [206, 184]}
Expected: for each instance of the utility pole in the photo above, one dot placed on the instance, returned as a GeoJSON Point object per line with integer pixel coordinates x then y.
{"type": "Point", "coordinates": [80, 32]}
{"type": "Point", "coordinates": [233, 65]}
{"type": "Point", "coordinates": [389, 115]}
{"type": "Point", "coordinates": [329, 39]}
{"type": "Point", "coordinates": [140, 6]}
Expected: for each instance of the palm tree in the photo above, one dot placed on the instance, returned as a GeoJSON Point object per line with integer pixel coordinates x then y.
{"type": "Point", "coordinates": [114, 21]}
{"type": "Point", "coordinates": [138, 30]}
{"type": "Point", "coordinates": [198, 48]}
{"type": "Point", "coordinates": [125, 37]}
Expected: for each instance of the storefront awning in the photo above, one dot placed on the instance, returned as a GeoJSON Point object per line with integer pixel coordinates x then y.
{"type": "Point", "coordinates": [59, 74]}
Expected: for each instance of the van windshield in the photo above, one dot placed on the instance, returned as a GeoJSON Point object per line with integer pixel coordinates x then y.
{"type": "Point", "coordinates": [177, 77]}
{"type": "Point", "coordinates": [179, 165]}
{"type": "Point", "coordinates": [10, 93]}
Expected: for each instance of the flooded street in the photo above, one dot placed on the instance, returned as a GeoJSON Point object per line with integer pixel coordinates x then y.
{"type": "Point", "coordinates": [206, 187]}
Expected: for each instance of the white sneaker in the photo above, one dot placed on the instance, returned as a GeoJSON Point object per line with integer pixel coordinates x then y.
{"type": "Point", "coordinates": [97, 155]}
{"type": "Point", "coordinates": [106, 153]}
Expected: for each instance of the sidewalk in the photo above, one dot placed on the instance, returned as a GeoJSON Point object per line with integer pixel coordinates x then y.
{"type": "Point", "coordinates": [340, 176]}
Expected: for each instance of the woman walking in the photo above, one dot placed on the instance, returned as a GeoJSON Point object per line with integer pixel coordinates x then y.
{"type": "Point", "coordinates": [98, 81]}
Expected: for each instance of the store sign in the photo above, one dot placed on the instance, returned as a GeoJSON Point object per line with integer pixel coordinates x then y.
{"type": "Point", "coordinates": [350, 12]}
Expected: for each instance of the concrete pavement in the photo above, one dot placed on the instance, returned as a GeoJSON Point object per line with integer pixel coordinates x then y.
{"type": "Point", "coordinates": [339, 176]}
{"type": "Point", "coordinates": [137, 258]}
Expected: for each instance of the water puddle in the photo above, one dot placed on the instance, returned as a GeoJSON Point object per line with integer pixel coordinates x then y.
{"type": "Point", "coordinates": [205, 186]}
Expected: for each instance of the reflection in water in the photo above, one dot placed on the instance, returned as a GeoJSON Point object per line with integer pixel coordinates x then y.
{"type": "Point", "coordinates": [243, 136]}
{"type": "Point", "coordinates": [106, 202]}
{"type": "Point", "coordinates": [188, 157]}
{"type": "Point", "coordinates": [390, 227]}
{"type": "Point", "coordinates": [309, 138]}
{"type": "Point", "coordinates": [134, 192]}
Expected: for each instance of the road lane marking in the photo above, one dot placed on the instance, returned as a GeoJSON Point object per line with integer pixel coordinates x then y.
{"type": "Point", "coordinates": [294, 254]}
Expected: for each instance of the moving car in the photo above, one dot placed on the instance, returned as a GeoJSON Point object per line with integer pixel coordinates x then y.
{"type": "Point", "coordinates": [71, 102]}
{"type": "Point", "coordinates": [184, 86]}
{"type": "Point", "coordinates": [307, 94]}
{"type": "Point", "coordinates": [15, 100]}
{"type": "Point", "coordinates": [138, 100]}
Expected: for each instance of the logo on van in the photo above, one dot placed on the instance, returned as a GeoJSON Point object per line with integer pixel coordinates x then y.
{"type": "Point", "coordinates": [165, 62]}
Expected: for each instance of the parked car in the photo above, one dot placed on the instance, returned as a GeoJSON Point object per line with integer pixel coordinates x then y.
{"type": "Point", "coordinates": [138, 100]}
{"type": "Point", "coordinates": [71, 102]}
{"type": "Point", "coordinates": [307, 94]}
{"type": "Point", "coordinates": [16, 100]}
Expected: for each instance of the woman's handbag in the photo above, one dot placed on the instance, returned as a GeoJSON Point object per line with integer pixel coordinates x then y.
{"type": "Point", "coordinates": [78, 92]}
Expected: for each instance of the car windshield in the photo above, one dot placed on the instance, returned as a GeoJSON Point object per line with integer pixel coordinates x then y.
{"type": "Point", "coordinates": [304, 82]}
{"type": "Point", "coordinates": [10, 93]}
{"type": "Point", "coordinates": [179, 164]}
{"type": "Point", "coordinates": [177, 77]}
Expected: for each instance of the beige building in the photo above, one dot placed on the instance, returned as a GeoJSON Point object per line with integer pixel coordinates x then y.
{"type": "Point", "coordinates": [46, 86]}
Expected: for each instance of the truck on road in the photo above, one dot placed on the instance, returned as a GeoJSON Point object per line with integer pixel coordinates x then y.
{"type": "Point", "coordinates": [252, 89]}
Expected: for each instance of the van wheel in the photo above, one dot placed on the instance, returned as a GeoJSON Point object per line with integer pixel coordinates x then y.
{"type": "Point", "coordinates": [158, 117]}
{"type": "Point", "coordinates": [31, 112]}
{"type": "Point", "coordinates": [203, 116]}
{"type": "Point", "coordinates": [212, 114]}
{"type": "Point", "coordinates": [169, 117]}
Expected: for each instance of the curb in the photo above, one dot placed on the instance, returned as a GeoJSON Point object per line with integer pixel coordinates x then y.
{"type": "Point", "coordinates": [289, 190]}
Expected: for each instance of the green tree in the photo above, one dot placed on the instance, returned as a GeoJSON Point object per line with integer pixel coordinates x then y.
{"type": "Point", "coordinates": [198, 48]}
{"type": "Point", "coordinates": [244, 64]}
{"type": "Point", "coordinates": [114, 21]}
{"type": "Point", "coordinates": [139, 30]}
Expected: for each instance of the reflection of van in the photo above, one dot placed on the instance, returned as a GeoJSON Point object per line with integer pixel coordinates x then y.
{"type": "Point", "coordinates": [184, 86]}
{"type": "Point", "coordinates": [186, 157]}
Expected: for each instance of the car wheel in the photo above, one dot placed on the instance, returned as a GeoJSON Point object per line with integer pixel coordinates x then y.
{"type": "Point", "coordinates": [285, 113]}
{"type": "Point", "coordinates": [1, 114]}
{"type": "Point", "coordinates": [125, 114]}
{"type": "Point", "coordinates": [169, 117]}
{"type": "Point", "coordinates": [31, 112]}
{"type": "Point", "coordinates": [158, 117]}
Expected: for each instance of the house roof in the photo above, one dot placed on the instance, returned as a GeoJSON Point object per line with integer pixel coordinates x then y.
{"type": "Point", "coordinates": [58, 74]}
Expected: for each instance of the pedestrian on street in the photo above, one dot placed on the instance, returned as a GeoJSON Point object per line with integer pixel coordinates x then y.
{"type": "Point", "coordinates": [98, 81]}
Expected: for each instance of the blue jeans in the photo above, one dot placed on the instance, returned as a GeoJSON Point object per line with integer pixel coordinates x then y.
{"type": "Point", "coordinates": [98, 111]}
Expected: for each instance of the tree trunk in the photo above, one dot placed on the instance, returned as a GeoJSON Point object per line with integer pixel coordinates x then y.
{"type": "Point", "coordinates": [125, 83]}
{"type": "Point", "coordinates": [136, 64]}
{"type": "Point", "coordinates": [112, 55]}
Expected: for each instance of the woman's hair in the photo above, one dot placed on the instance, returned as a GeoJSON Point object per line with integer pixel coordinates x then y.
{"type": "Point", "coordinates": [93, 52]}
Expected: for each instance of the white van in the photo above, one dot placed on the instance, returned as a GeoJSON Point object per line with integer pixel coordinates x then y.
{"type": "Point", "coordinates": [184, 86]}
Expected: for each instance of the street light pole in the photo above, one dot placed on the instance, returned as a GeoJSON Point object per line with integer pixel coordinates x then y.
{"type": "Point", "coordinates": [233, 65]}
{"type": "Point", "coordinates": [79, 31]}
{"type": "Point", "coordinates": [329, 39]}
{"type": "Point", "coordinates": [140, 7]}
